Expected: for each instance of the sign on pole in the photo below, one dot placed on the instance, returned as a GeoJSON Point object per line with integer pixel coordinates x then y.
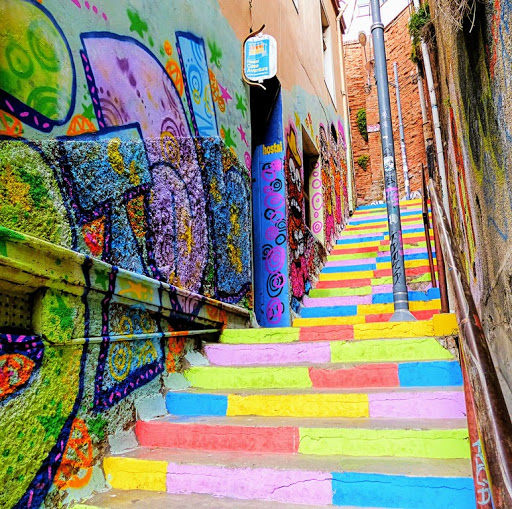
{"type": "Point", "coordinates": [260, 58]}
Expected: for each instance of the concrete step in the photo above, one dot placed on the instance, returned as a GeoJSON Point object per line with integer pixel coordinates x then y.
{"type": "Point", "coordinates": [438, 325]}
{"type": "Point", "coordinates": [333, 307]}
{"type": "Point", "coordinates": [318, 403]}
{"type": "Point", "coordinates": [442, 439]}
{"type": "Point", "coordinates": [422, 268]}
{"type": "Point", "coordinates": [311, 352]}
{"type": "Point", "coordinates": [320, 329]}
{"type": "Point", "coordinates": [370, 304]}
{"type": "Point", "coordinates": [374, 285]}
{"type": "Point", "coordinates": [139, 499]}
{"type": "Point", "coordinates": [296, 479]}
{"type": "Point", "coordinates": [400, 374]}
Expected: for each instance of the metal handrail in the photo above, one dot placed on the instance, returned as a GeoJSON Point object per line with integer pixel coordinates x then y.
{"type": "Point", "coordinates": [493, 420]}
{"type": "Point", "coordinates": [426, 224]}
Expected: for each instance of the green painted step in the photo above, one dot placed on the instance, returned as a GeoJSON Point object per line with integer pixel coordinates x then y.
{"type": "Point", "coordinates": [430, 443]}
{"type": "Point", "coordinates": [388, 350]}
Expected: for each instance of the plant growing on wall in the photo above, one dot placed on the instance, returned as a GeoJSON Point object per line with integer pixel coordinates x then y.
{"type": "Point", "coordinates": [418, 28]}
{"type": "Point", "coordinates": [363, 160]}
{"type": "Point", "coordinates": [453, 12]}
{"type": "Point", "coordinates": [361, 123]}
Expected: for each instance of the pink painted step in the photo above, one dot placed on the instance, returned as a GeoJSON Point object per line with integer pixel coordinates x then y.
{"type": "Point", "coordinates": [280, 353]}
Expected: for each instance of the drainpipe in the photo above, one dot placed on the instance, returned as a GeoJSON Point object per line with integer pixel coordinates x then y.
{"type": "Point", "coordinates": [346, 115]}
{"type": "Point", "coordinates": [435, 117]}
{"type": "Point", "coordinates": [396, 248]}
{"type": "Point", "coordinates": [402, 136]}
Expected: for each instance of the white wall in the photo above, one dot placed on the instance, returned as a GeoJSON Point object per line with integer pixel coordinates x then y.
{"type": "Point", "coordinates": [356, 22]}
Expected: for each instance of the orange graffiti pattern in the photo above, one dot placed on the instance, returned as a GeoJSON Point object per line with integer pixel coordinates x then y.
{"type": "Point", "coordinates": [15, 370]}
{"type": "Point", "coordinates": [75, 471]}
{"type": "Point", "coordinates": [80, 125]}
{"type": "Point", "coordinates": [9, 125]}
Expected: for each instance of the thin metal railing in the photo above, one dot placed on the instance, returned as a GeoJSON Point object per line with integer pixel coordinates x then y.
{"type": "Point", "coordinates": [426, 224]}
{"type": "Point", "coordinates": [441, 275]}
{"type": "Point", "coordinates": [491, 413]}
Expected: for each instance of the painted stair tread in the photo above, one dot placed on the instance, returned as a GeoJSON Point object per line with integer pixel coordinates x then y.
{"type": "Point", "coordinates": [333, 423]}
{"type": "Point", "coordinates": [294, 334]}
{"type": "Point", "coordinates": [356, 375]}
{"type": "Point", "coordinates": [293, 481]}
{"type": "Point", "coordinates": [334, 436]}
{"type": "Point", "coordinates": [369, 350]}
{"type": "Point", "coordinates": [414, 467]}
{"type": "Point", "coordinates": [139, 499]}
{"type": "Point", "coordinates": [443, 404]}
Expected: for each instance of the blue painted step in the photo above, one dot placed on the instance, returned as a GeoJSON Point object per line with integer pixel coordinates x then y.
{"type": "Point", "coordinates": [379, 490]}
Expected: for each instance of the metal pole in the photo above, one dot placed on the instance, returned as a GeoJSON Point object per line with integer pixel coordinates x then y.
{"type": "Point", "coordinates": [435, 117]}
{"type": "Point", "coordinates": [400, 294]}
{"type": "Point", "coordinates": [402, 136]}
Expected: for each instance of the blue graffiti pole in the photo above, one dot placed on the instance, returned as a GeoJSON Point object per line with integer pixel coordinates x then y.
{"type": "Point", "coordinates": [400, 295]}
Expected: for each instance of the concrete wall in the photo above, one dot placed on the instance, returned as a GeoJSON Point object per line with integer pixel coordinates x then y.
{"type": "Point", "coordinates": [473, 75]}
{"type": "Point", "coordinates": [125, 209]}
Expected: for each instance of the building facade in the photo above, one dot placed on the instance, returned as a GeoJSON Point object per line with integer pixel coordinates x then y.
{"type": "Point", "coordinates": [147, 193]}
{"type": "Point", "coordinates": [363, 98]}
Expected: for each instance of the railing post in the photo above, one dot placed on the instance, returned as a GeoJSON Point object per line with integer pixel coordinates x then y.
{"type": "Point", "coordinates": [426, 224]}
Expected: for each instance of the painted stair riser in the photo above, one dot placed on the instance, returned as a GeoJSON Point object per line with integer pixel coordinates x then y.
{"type": "Point", "coordinates": [327, 318]}
{"type": "Point", "coordinates": [329, 307]}
{"type": "Point", "coordinates": [371, 285]}
{"type": "Point", "coordinates": [381, 239]}
{"type": "Point", "coordinates": [413, 405]}
{"type": "Point", "coordinates": [408, 248]}
{"type": "Point", "coordinates": [372, 304]}
{"type": "Point", "coordinates": [320, 352]}
{"type": "Point", "coordinates": [291, 486]}
{"type": "Point", "coordinates": [320, 329]}
{"type": "Point", "coordinates": [355, 292]}
{"type": "Point", "coordinates": [371, 274]}
{"type": "Point", "coordinates": [413, 276]}
{"type": "Point", "coordinates": [356, 442]}
{"type": "Point", "coordinates": [406, 374]}
{"type": "Point", "coordinates": [377, 263]}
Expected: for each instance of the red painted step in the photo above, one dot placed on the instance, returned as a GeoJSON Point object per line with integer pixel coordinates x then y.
{"type": "Point", "coordinates": [374, 375]}
{"type": "Point", "coordinates": [185, 435]}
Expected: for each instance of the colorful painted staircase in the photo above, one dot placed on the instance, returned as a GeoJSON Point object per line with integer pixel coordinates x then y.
{"type": "Point", "coordinates": [343, 409]}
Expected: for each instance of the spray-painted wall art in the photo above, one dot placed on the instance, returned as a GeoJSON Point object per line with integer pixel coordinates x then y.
{"type": "Point", "coordinates": [125, 195]}
{"type": "Point", "coordinates": [138, 147]}
{"type": "Point", "coordinates": [475, 67]}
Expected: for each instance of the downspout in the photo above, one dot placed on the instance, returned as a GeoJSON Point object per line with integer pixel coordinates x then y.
{"type": "Point", "coordinates": [346, 116]}
{"type": "Point", "coordinates": [435, 118]}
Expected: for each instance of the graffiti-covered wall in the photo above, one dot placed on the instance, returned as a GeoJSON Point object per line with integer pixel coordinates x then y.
{"type": "Point", "coordinates": [124, 210]}
{"type": "Point", "coordinates": [131, 142]}
{"type": "Point", "coordinates": [475, 69]}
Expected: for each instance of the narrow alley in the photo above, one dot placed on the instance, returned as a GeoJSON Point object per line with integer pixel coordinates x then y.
{"type": "Point", "coordinates": [255, 254]}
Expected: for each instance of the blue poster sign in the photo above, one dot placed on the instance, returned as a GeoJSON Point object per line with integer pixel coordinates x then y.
{"type": "Point", "coordinates": [260, 58]}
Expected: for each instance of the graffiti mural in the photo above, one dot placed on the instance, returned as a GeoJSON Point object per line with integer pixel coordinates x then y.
{"type": "Point", "coordinates": [111, 148]}
{"type": "Point", "coordinates": [334, 175]}
{"type": "Point", "coordinates": [306, 254]}
{"type": "Point", "coordinates": [270, 227]}
{"type": "Point", "coordinates": [38, 79]}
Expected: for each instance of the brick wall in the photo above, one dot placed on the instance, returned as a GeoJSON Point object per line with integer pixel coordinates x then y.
{"type": "Point", "coordinates": [369, 182]}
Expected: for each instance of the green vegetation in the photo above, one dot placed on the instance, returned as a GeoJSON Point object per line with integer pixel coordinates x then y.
{"type": "Point", "coordinates": [418, 25]}
{"type": "Point", "coordinates": [363, 160]}
{"type": "Point", "coordinates": [361, 123]}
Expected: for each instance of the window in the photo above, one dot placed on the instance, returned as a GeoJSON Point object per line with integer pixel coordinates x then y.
{"type": "Point", "coordinates": [327, 52]}
{"type": "Point", "coordinates": [363, 8]}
